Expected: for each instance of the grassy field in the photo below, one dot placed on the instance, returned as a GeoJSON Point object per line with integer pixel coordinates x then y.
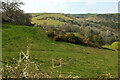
{"type": "Point", "coordinates": [47, 22]}
{"type": "Point", "coordinates": [82, 61]}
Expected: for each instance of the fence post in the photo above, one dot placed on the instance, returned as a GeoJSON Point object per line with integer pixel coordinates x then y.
{"type": "Point", "coordinates": [52, 65]}
{"type": "Point", "coordinates": [27, 63]}
{"type": "Point", "coordinates": [60, 68]}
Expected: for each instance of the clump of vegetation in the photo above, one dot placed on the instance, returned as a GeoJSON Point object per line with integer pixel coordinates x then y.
{"type": "Point", "coordinates": [115, 46]}
{"type": "Point", "coordinates": [70, 37]}
{"type": "Point", "coordinates": [105, 77]}
{"type": "Point", "coordinates": [50, 34]}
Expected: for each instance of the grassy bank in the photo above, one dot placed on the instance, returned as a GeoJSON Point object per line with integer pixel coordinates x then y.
{"type": "Point", "coordinates": [77, 60]}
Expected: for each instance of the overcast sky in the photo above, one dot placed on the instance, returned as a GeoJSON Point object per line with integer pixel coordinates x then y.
{"type": "Point", "coordinates": [70, 6]}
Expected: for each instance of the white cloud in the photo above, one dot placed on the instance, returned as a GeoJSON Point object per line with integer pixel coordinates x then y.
{"type": "Point", "coordinates": [43, 5]}
{"type": "Point", "coordinates": [54, 5]}
{"type": "Point", "coordinates": [94, 1]}
{"type": "Point", "coordinates": [91, 2]}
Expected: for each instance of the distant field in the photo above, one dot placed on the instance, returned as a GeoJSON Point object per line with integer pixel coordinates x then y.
{"type": "Point", "coordinates": [82, 61]}
{"type": "Point", "coordinates": [83, 15]}
{"type": "Point", "coordinates": [34, 14]}
{"type": "Point", "coordinates": [47, 22]}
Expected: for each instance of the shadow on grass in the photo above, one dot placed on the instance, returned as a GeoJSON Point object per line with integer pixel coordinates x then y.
{"type": "Point", "coordinates": [108, 49]}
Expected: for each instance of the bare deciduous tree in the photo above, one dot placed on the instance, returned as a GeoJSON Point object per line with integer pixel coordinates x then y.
{"type": "Point", "coordinates": [13, 14]}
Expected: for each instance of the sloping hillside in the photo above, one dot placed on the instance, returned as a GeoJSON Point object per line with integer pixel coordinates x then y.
{"type": "Point", "coordinates": [77, 60]}
{"type": "Point", "coordinates": [54, 19]}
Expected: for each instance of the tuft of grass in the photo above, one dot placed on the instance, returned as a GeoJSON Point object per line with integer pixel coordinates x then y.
{"type": "Point", "coordinates": [77, 61]}
{"type": "Point", "coordinates": [113, 46]}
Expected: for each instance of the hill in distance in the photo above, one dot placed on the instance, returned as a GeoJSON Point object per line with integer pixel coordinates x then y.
{"type": "Point", "coordinates": [49, 18]}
